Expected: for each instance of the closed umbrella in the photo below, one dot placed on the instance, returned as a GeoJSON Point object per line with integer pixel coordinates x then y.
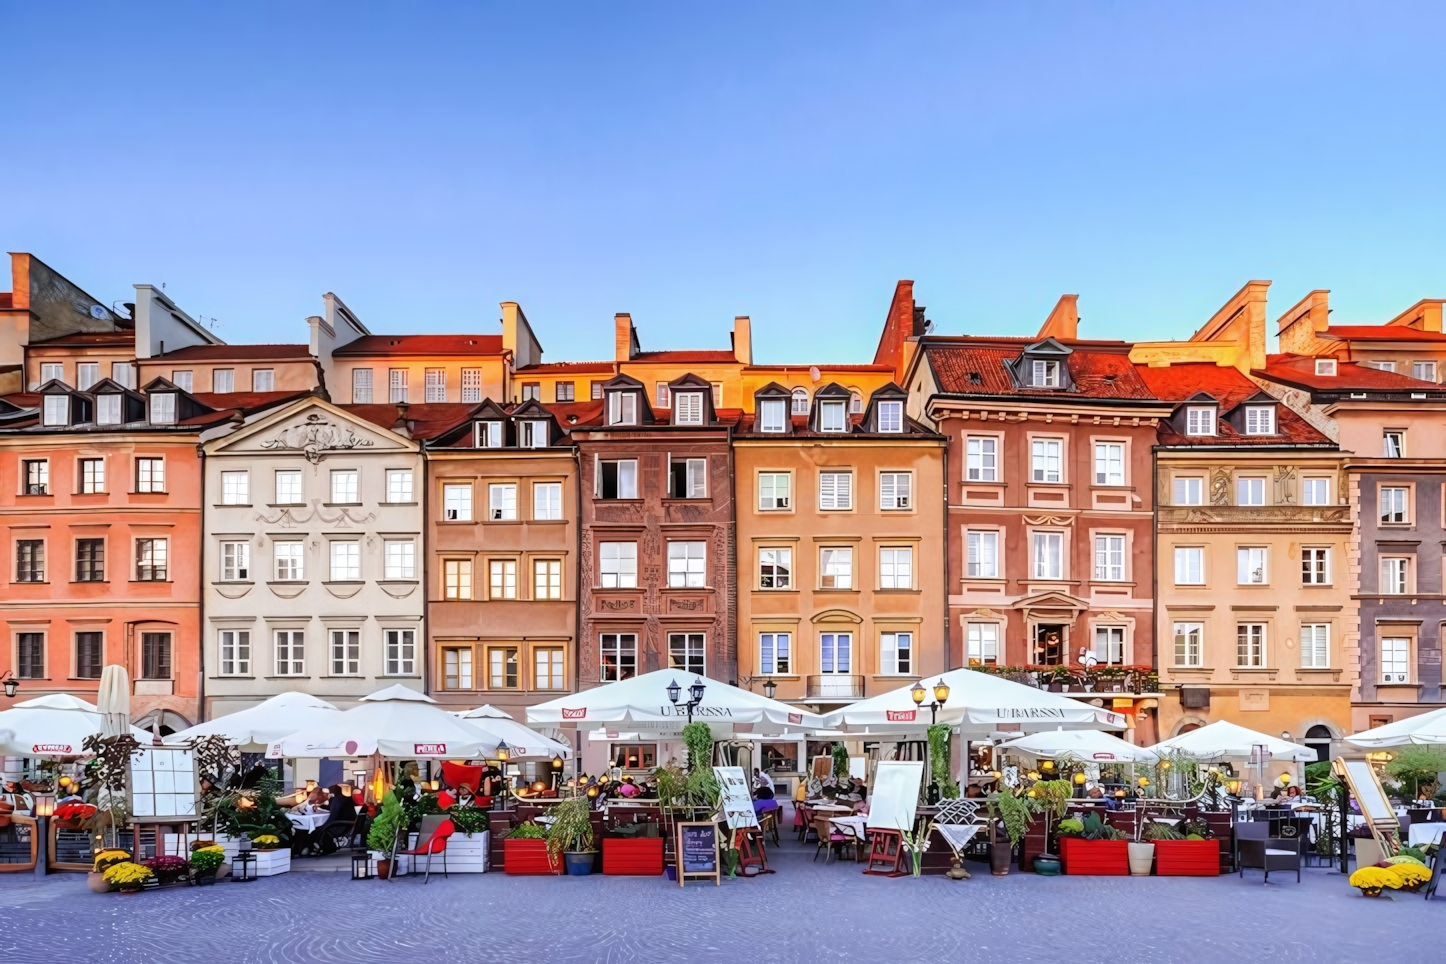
{"type": "Point", "coordinates": [114, 700]}
{"type": "Point", "coordinates": [254, 729]}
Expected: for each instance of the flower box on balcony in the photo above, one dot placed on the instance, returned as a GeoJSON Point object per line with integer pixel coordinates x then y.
{"type": "Point", "coordinates": [637, 856]}
{"type": "Point", "coordinates": [529, 857]}
{"type": "Point", "coordinates": [1187, 858]}
{"type": "Point", "coordinates": [1099, 858]}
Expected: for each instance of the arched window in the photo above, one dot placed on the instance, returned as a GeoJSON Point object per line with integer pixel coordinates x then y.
{"type": "Point", "coordinates": [800, 401]}
{"type": "Point", "coordinates": [1318, 738]}
{"type": "Point", "coordinates": [856, 401]}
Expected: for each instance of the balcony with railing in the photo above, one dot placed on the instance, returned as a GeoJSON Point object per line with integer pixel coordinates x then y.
{"type": "Point", "coordinates": [835, 686]}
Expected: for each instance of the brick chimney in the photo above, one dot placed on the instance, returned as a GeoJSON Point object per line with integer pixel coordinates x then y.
{"type": "Point", "coordinates": [1063, 321]}
{"type": "Point", "coordinates": [625, 337]}
{"type": "Point", "coordinates": [743, 340]}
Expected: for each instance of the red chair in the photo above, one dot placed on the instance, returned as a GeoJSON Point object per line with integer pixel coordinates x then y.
{"type": "Point", "coordinates": [435, 830]}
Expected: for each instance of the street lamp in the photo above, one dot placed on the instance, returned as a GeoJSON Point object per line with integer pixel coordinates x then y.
{"type": "Point", "coordinates": [695, 694]}
{"type": "Point", "coordinates": [503, 753]}
{"type": "Point", "coordinates": [769, 688]}
{"type": "Point", "coordinates": [556, 771]}
{"type": "Point", "coordinates": [11, 685]}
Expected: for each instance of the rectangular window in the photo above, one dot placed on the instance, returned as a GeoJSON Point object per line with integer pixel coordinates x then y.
{"type": "Point", "coordinates": [836, 569]}
{"type": "Point", "coordinates": [685, 652]}
{"type": "Point", "coordinates": [88, 373]}
{"type": "Point", "coordinates": [1110, 558]}
{"type": "Point", "coordinates": [1109, 463]}
{"type": "Point", "coordinates": [687, 564]}
{"type": "Point", "coordinates": [290, 652]}
{"type": "Point", "coordinates": [717, 388]}
{"type": "Point", "coordinates": [660, 393]}
{"type": "Point", "coordinates": [345, 486]}
{"type": "Point", "coordinates": [546, 579]}
{"type": "Point", "coordinates": [835, 490]}
{"type": "Point", "coordinates": [688, 478]}
{"type": "Point", "coordinates": [623, 408]}
{"type": "Point", "coordinates": [346, 652]}
{"type": "Point", "coordinates": [235, 488]}
{"type": "Point", "coordinates": [1423, 370]}
{"type": "Point", "coordinates": [775, 568]}
{"type": "Point", "coordinates": [1200, 420]}
{"type": "Point", "coordinates": [772, 415]}
{"type": "Point", "coordinates": [562, 392]}
{"type": "Point", "coordinates": [488, 434]}
{"type": "Point", "coordinates": [1394, 505]}
{"type": "Point", "coordinates": [532, 391]}
{"type": "Point", "coordinates": [1250, 644]}
{"type": "Point", "coordinates": [619, 479]}
{"type": "Point", "coordinates": [774, 653]}
{"type": "Point", "coordinates": [547, 501]}
{"type": "Point", "coordinates": [30, 655]}
{"type": "Point", "coordinates": [52, 371]}
{"type": "Point", "coordinates": [361, 386]}
{"type": "Point", "coordinates": [502, 578]}
{"type": "Point", "coordinates": [457, 503]}
{"type": "Point", "coordinates": [92, 476]}
{"type": "Point", "coordinates": [150, 475]}
{"type": "Point", "coordinates": [1315, 566]}
{"type": "Point", "coordinates": [90, 560]}
{"type": "Point", "coordinates": [1395, 660]}
{"type": "Point", "coordinates": [532, 434]}
{"type": "Point", "coordinates": [399, 558]}
{"type": "Point", "coordinates": [182, 380]}
{"type": "Point", "coordinates": [223, 380]}
{"type": "Point", "coordinates": [155, 655]}
{"type": "Point", "coordinates": [1395, 576]}
{"type": "Point", "coordinates": [1250, 492]}
{"type": "Point", "coordinates": [1384, 366]}
{"type": "Point", "coordinates": [397, 385]}
{"type": "Point", "coordinates": [896, 568]}
{"type": "Point", "coordinates": [399, 485]}
{"type": "Point", "coordinates": [1316, 491]}
{"type": "Point", "coordinates": [401, 652]}
{"type": "Point", "coordinates": [457, 578]}
{"type": "Point", "coordinates": [619, 565]}
{"type": "Point", "coordinates": [345, 561]}
{"type": "Point", "coordinates": [1188, 647]}
{"type": "Point", "coordinates": [688, 408]}
{"type": "Point", "coordinates": [235, 561]}
{"type": "Point", "coordinates": [1260, 420]}
{"type": "Point", "coordinates": [263, 380]}
{"type": "Point", "coordinates": [288, 560]}
{"type": "Point", "coordinates": [1045, 460]}
{"type": "Point", "coordinates": [896, 654]}
{"type": "Point", "coordinates": [436, 384]}
{"type": "Point", "coordinates": [471, 385]}
{"type": "Point", "coordinates": [635, 756]}
{"type": "Point", "coordinates": [832, 416]}
{"type": "Point", "coordinates": [983, 553]}
{"type": "Point", "coordinates": [1109, 647]}
{"type": "Point", "coordinates": [502, 501]}
{"type": "Point", "coordinates": [30, 560]}
{"type": "Point", "coordinates": [108, 409]}
{"type": "Point", "coordinates": [891, 416]}
{"type": "Point", "coordinates": [288, 487]}
{"type": "Point", "coordinates": [1394, 444]}
{"type": "Point", "coordinates": [1251, 566]}
{"type": "Point", "coordinates": [235, 646]}
{"type": "Point", "coordinates": [56, 410]}
{"type": "Point", "coordinates": [981, 459]}
{"type": "Point", "coordinates": [619, 657]}
{"type": "Point", "coordinates": [151, 560]}
{"type": "Point", "coordinates": [37, 476]}
{"type": "Point", "coordinates": [597, 391]}
{"type": "Point", "coordinates": [1325, 366]}
{"type": "Point", "coordinates": [1049, 555]}
{"type": "Point", "coordinates": [836, 652]}
{"type": "Point", "coordinates": [774, 490]}
{"type": "Point", "coordinates": [1190, 566]}
{"type": "Point", "coordinates": [457, 669]}
{"type": "Point", "coordinates": [548, 665]}
{"type": "Point", "coordinates": [895, 490]}
{"type": "Point", "coordinates": [89, 655]}
{"type": "Point", "coordinates": [983, 643]}
{"type": "Point", "coordinates": [1315, 645]}
{"type": "Point", "coordinates": [1045, 374]}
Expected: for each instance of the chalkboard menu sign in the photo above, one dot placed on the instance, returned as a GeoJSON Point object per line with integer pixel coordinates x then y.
{"type": "Point", "coordinates": [697, 851]}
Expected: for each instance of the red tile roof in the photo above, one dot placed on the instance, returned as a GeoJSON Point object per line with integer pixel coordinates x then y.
{"type": "Point", "coordinates": [1382, 333]}
{"type": "Point", "coordinates": [1230, 388]}
{"type": "Point", "coordinates": [567, 368]}
{"type": "Point", "coordinates": [422, 345]}
{"type": "Point", "coordinates": [425, 421]}
{"type": "Point", "coordinates": [232, 353]}
{"type": "Point", "coordinates": [243, 401]}
{"type": "Point", "coordinates": [752, 369]}
{"type": "Point", "coordinates": [97, 339]}
{"type": "Point", "coordinates": [1099, 370]}
{"type": "Point", "coordinates": [686, 357]}
{"type": "Point", "coordinates": [1299, 371]}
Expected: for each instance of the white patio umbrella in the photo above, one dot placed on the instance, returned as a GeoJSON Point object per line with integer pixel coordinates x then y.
{"type": "Point", "coordinates": [114, 700]}
{"type": "Point", "coordinates": [978, 704]}
{"type": "Point", "coordinates": [54, 725]}
{"type": "Point", "coordinates": [522, 743]}
{"type": "Point", "coordinates": [1090, 746]}
{"type": "Point", "coordinates": [644, 702]}
{"type": "Point", "coordinates": [1224, 740]}
{"type": "Point", "coordinates": [253, 729]}
{"type": "Point", "coordinates": [397, 723]}
{"type": "Point", "coordinates": [1425, 728]}
{"type": "Point", "coordinates": [487, 711]}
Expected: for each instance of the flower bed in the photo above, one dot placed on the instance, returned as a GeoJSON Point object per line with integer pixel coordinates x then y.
{"type": "Point", "coordinates": [1187, 858]}
{"type": "Point", "coordinates": [1099, 858]}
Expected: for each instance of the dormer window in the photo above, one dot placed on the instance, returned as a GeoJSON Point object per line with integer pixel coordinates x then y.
{"type": "Point", "coordinates": [163, 408]}
{"type": "Point", "coordinates": [1045, 374]}
{"type": "Point", "coordinates": [1200, 420]}
{"type": "Point", "coordinates": [832, 416]}
{"type": "Point", "coordinates": [489, 435]}
{"type": "Point", "coordinates": [772, 415]}
{"type": "Point", "coordinates": [1325, 366]}
{"type": "Point", "coordinates": [57, 410]}
{"type": "Point", "coordinates": [622, 408]}
{"type": "Point", "coordinates": [532, 434]}
{"type": "Point", "coordinates": [891, 416]}
{"type": "Point", "coordinates": [108, 409]}
{"type": "Point", "coordinates": [688, 408]}
{"type": "Point", "coordinates": [1260, 420]}
{"type": "Point", "coordinates": [800, 401]}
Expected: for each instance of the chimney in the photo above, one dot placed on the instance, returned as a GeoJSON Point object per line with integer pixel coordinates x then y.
{"type": "Point", "coordinates": [1063, 321]}
{"type": "Point", "coordinates": [401, 426]}
{"type": "Point", "coordinates": [743, 340]}
{"type": "Point", "coordinates": [625, 337]}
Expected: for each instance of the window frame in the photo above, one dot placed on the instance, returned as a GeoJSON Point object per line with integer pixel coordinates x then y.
{"type": "Point", "coordinates": [1115, 452]}
{"type": "Point", "coordinates": [1245, 567]}
{"type": "Point", "coordinates": [976, 645]}
{"type": "Point", "coordinates": [1315, 565]}
{"type": "Point", "coordinates": [894, 659]}
{"type": "Point", "coordinates": [981, 465]}
{"type": "Point", "coordinates": [841, 498]}
{"type": "Point", "coordinates": [622, 577]}
{"type": "Point", "coordinates": [625, 657]}
{"type": "Point", "coordinates": [775, 569]}
{"type": "Point", "coordinates": [1105, 569]}
{"type": "Point", "coordinates": [1200, 420]}
{"type": "Point", "coordinates": [1184, 552]}
{"type": "Point", "coordinates": [344, 654]}
{"type": "Point", "coordinates": [770, 662]}
{"type": "Point", "coordinates": [1044, 538]}
{"type": "Point", "coordinates": [1250, 646]}
{"type": "Point", "coordinates": [1189, 651]}
{"type": "Point", "coordinates": [891, 558]}
{"type": "Point", "coordinates": [684, 571]}
{"type": "Point", "coordinates": [829, 556]}
{"type": "Point", "coordinates": [1046, 468]}
{"type": "Point", "coordinates": [974, 553]}
{"type": "Point", "coordinates": [1316, 646]}
{"type": "Point", "coordinates": [772, 478]}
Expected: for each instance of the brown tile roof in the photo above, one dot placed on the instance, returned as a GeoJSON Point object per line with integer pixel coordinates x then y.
{"type": "Point", "coordinates": [685, 356]}
{"type": "Point", "coordinates": [1230, 388]}
{"type": "Point", "coordinates": [1099, 370]}
{"type": "Point", "coordinates": [1382, 333]}
{"type": "Point", "coordinates": [751, 369]}
{"type": "Point", "coordinates": [567, 368]}
{"type": "Point", "coordinates": [912, 429]}
{"type": "Point", "coordinates": [232, 352]}
{"type": "Point", "coordinates": [425, 420]}
{"type": "Point", "coordinates": [421, 345]}
{"type": "Point", "coordinates": [243, 401]}
{"type": "Point", "coordinates": [1299, 371]}
{"type": "Point", "coordinates": [98, 339]}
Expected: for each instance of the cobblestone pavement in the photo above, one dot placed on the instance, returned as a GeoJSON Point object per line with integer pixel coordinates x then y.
{"type": "Point", "coordinates": [805, 912]}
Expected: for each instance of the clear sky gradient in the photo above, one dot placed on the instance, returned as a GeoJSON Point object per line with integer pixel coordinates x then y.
{"type": "Point", "coordinates": [788, 161]}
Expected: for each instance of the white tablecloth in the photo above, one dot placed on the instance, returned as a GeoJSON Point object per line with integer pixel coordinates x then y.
{"type": "Point", "coordinates": [957, 835]}
{"type": "Point", "coordinates": [1422, 834]}
{"type": "Point", "coordinates": [307, 821]}
{"type": "Point", "coordinates": [853, 826]}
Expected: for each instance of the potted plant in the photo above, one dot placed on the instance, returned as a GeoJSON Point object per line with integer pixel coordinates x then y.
{"type": "Point", "coordinates": [128, 877]}
{"type": "Point", "coordinates": [205, 861]}
{"type": "Point", "coordinates": [1013, 810]}
{"type": "Point", "coordinates": [1192, 851]}
{"type": "Point", "coordinates": [382, 837]}
{"type": "Point", "coordinates": [266, 842]}
{"type": "Point", "coordinates": [571, 835]}
{"type": "Point", "coordinates": [1142, 852]}
{"type": "Point", "coordinates": [1411, 874]}
{"type": "Point", "coordinates": [467, 850]}
{"type": "Point", "coordinates": [168, 870]}
{"type": "Point", "coordinates": [524, 851]}
{"type": "Point", "coordinates": [1372, 880]}
{"type": "Point", "coordinates": [73, 815]}
{"type": "Point", "coordinates": [95, 880]}
{"type": "Point", "coordinates": [1095, 848]}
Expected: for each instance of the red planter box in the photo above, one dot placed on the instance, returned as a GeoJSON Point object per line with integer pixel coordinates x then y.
{"type": "Point", "coordinates": [1187, 858]}
{"type": "Point", "coordinates": [529, 857]}
{"type": "Point", "coordinates": [634, 857]}
{"type": "Point", "coordinates": [1098, 858]}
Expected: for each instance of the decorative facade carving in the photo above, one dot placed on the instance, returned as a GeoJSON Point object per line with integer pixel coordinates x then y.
{"type": "Point", "coordinates": [315, 437]}
{"type": "Point", "coordinates": [1220, 487]}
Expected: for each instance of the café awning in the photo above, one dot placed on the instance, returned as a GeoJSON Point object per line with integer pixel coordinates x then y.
{"type": "Point", "coordinates": [1088, 746]}
{"type": "Point", "coordinates": [54, 725]}
{"type": "Point", "coordinates": [398, 723]}
{"type": "Point", "coordinates": [522, 743]}
{"type": "Point", "coordinates": [1223, 740]}
{"type": "Point", "coordinates": [1426, 728]}
{"type": "Point", "coordinates": [254, 728]}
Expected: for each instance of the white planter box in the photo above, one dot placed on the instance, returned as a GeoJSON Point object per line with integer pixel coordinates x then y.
{"type": "Point", "coordinates": [466, 853]}
{"type": "Point", "coordinates": [269, 863]}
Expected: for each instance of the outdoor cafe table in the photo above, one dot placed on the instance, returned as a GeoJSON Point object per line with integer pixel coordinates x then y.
{"type": "Point", "coordinates": [1422, 834]}
{"type": "Point", "coordinates": [310, 822]}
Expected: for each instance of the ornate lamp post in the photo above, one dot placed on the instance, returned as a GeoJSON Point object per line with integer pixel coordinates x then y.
{"type": "Point", "coordinates": [695, 693]}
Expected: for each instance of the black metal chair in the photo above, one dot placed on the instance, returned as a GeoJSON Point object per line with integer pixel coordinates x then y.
{"type": "Point", "coordinates": [1255, 849]}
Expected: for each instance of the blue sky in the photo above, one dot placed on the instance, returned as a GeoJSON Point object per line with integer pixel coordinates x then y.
{"type": "Point", "coordinates": [786, 161]}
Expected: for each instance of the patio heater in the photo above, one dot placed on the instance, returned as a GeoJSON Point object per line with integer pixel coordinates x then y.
{"type": "Point", "coordinates": [44, 810]}
{"type": "Point", "coordinates": [695, 692]}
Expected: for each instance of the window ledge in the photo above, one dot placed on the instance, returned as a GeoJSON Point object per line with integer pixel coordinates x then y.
{"type": "Point", "coordinates": [145, 581]}
{"type": "Point", "coordinates": [289, 582]}
{"type": "Point", "coordinates": [854, 592]}
{"type": "Point", "coordinates": [89, 582]}
{"type": "Point", "coordinates": [233, 582]}
{"type": "Point", "coordinates": [340, 505]}
{"type": "Point", "coordinates": [283, 677]}
{"type": "Point", "coordinates": [399, 503]}
{"type": "Point", "coordinates": [339, 582]}
{"type": "Point", "coordinates": [245, 677]}
{"type": "Point", "coordinates": [230, 505]}
{"type": "Point", "coordinates": [456, 522]}
{"type": "Point", "coordinates": [900, 592]}
{"type": "Point", "coordinates": [775, 592]}
{"type": "Point", "coordinates": [285, 505]}
{"type": "Point", "coordinates": [398, 582]}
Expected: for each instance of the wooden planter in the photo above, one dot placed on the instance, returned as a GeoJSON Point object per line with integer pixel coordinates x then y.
{"type": "Point", "coordinates": [636, 857]}
{"type": "Point", "coordinates": [1187, 858]}
{"type": "Point", "coordinates": [1097, 858]}
{"type": "Point", "coordinates": [529, 858]}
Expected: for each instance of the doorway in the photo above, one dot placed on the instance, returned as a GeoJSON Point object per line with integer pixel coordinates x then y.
{"type": "Point", "coordinates": [1051, 644]}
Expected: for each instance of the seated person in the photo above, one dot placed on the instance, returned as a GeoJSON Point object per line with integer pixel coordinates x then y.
{"type": "Point", "coordinates": [762, 785]}
{"type": "Point", "coordinates": [1098, 793]}
{"type": "Point", "coordinates": [341, 818]}
{"type": "Point", "coordinates": [465, 797]}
